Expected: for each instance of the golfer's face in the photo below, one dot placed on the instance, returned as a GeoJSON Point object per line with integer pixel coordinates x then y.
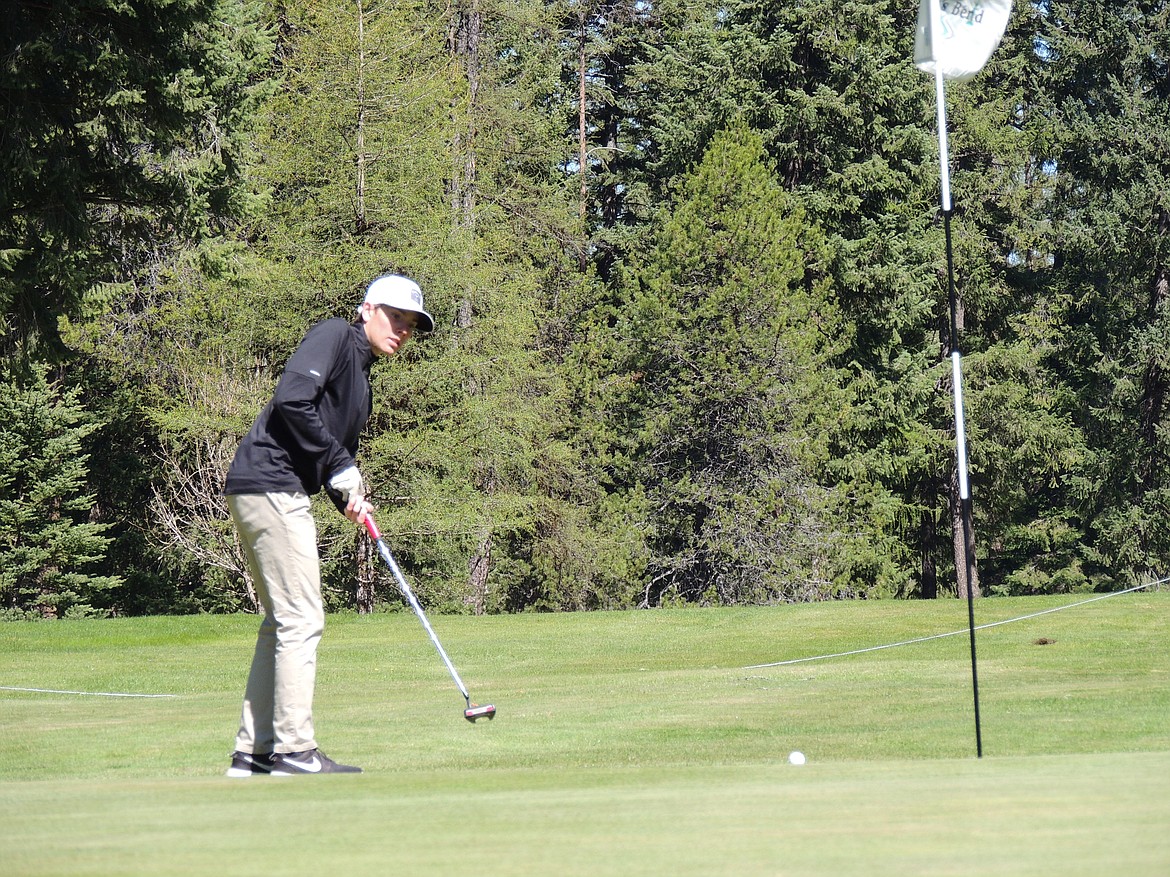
{"type": "Point", "coordinates": [387, 328]}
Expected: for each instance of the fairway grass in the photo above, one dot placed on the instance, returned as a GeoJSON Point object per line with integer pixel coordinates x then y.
{"type": "Point", "coordinates": [625, 744]}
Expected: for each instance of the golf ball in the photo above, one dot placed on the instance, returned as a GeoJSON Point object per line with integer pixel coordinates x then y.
{"type": "Point", "coordinates": [796, 758]}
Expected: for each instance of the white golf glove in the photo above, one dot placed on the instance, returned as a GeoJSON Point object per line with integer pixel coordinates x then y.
{"type": "Point", "coordinates": [348, 483]}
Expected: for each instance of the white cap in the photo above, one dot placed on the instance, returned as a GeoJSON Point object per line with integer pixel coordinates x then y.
{"type": "Point", "coordinates": [402, 293]}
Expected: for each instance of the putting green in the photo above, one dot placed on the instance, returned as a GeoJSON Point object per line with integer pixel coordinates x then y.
{"type": "Point", "coordinates": [625, 744]}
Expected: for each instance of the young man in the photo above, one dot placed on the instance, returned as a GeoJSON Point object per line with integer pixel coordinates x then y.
{"type": "Point", "coordinates": [306, 438]}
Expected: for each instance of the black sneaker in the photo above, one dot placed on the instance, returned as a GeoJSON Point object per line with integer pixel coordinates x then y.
{"type": "Point", "coordinates": [245, 764]}
{"type": "Point", "coordinates": [287, 764]}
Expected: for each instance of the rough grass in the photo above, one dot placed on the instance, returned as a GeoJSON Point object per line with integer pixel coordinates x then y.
{"type": "Point", "coordinates": [625, 743]}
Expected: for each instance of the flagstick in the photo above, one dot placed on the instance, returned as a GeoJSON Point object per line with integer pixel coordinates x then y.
{"type": "Point", "coordinates": [957, 379]}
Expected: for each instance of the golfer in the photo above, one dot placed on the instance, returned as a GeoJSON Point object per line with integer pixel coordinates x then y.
{"type": "Point", "coordinates": [306, 438]}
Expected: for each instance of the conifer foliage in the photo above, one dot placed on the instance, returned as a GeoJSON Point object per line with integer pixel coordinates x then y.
{"type": "Point", "coordinates": [120, 130]}
{"type": "Point", "coordinates": [688, 273]}
{"type": "Point", "coordinates": [724, 349]}
{"type": "Point", "coordinates": [48, 543]}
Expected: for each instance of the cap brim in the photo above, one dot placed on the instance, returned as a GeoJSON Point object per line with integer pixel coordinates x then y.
{"type": "Point", "coordinates": [426, 323]}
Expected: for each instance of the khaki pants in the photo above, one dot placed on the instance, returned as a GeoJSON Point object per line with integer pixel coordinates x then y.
{"type": "Point", "coordinates": [279, 537]}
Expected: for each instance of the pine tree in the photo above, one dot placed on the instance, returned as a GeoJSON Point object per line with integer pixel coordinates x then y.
{"type": "Point", "coordinates": [1025, 446]}
{"type": "Point", "coordinates": [123, 143]}
{"type": "Point", "coordinates": [849, 124]}
{"type": "Point", "coordinates": [48, 543]}
{"type": "Point", "coordinates": [845, 118]}
{"type": "Point", "coordinates": [119, 134]}
{"type": "Point", "coordinates": [722, 391]}
{"type": "Point", "coordinates": [1102, 110]}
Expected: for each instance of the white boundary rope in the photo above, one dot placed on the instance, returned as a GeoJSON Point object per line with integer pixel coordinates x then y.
{"type": "Point", "coordinates": [83, 693]}
{"type": "Point", "coordinates": [956, 632]}
{"type": "Point", "coordinates": [908, 642]}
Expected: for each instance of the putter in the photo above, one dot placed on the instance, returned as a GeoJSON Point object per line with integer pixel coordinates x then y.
{"type": "Point", "coordinates": [474, 711]}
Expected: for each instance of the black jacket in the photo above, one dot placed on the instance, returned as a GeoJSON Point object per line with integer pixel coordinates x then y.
{"type": "Point", "coordinates": [309, 430]}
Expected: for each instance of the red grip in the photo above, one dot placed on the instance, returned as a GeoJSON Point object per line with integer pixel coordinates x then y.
{"type": "Point", "coordinates": [372, 528]}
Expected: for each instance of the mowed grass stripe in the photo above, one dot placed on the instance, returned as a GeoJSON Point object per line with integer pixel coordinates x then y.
{"type": "Point", "coordinates": [1076, 815]}
{"type": "Point", "coordinates": [626, 743]}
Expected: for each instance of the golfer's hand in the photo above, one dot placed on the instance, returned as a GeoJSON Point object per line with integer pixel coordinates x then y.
{"type": "Point", "coordinates": [357, 508]}
{"type": "Point", "coordinates": [348, 484]}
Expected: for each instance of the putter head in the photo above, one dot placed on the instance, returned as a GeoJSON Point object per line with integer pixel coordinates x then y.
{"type": "Point", "coordinates": [475, 711]}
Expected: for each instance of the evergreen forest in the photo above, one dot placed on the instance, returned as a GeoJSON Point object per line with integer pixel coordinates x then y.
{"type": "Point", "coordinates": [689, 276]}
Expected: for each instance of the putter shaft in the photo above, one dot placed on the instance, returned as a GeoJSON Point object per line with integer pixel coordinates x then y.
{"type": "Point", "coordinates": [473, 711]}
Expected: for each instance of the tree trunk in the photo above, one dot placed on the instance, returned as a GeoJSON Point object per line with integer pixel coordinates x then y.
{"type": "Point", "coordinates": [466, 25]}
{"type": "Point", "coordinates": [463, 36]}
{"type": "Point", "coordinates": [927, 535]}
{"type": "Point", "coordinates": [1155, 381]}
{"type": "Point", "coordinates": [360, 183]}
{"type": "Point", "coordinates": [478, 568]}
{"type": "Point", "coordinates": [364, 595]}
{"type": "Point", "coordinates": [582, 145]}
{"type": "Point", "coordinates": [963, 547]}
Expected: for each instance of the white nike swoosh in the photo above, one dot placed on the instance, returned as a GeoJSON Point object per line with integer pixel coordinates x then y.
{"type": "Point", "coordinates": [313, 766]}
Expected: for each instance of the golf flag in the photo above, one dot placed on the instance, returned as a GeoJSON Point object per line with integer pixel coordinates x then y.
{"type": "Point", "coordinates": [954, 40]}
{"type": "Point", "coordinates": [956, 37]}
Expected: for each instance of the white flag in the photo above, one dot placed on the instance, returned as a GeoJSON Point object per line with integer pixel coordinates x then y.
{"type": "Point", "coordinates": [957, 37]}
